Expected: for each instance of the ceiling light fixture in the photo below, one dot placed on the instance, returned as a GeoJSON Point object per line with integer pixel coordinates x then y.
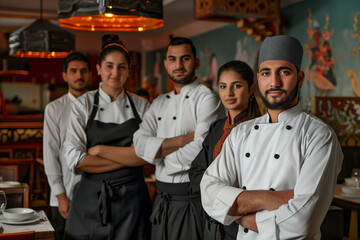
{"type": "Point", "coordinates": [41, 39]}
{"type": "Point", "coordinates": [111, 15]}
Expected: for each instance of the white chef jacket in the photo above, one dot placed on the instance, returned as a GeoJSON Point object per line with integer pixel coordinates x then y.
{"type": "Point", "coordinates": [298, 152]}
{"type": "Point", "coordinates": [171, 115]}
{"type": "Point", "coordinates": [56, 118]}
{"type": "Point", "coordinates": [118, 111]}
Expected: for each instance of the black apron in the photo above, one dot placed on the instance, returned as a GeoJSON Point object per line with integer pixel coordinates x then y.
{"type": "Point", "coordinates": [177, 213]}
{"type": "Point", "coordinates": [111, 205]}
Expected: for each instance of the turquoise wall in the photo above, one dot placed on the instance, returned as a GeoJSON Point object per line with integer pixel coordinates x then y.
{"type": "Point", "coordinates": [334, 60]}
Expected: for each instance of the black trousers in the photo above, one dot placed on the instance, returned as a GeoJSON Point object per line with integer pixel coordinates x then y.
{"type": "Point", "coordinates": [58, 223]}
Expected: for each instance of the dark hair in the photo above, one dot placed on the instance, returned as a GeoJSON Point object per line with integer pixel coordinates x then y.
{"type": "Point", "coordinates": [75, 56]}
{"type": "Point", "coordinates": [111, 43]}
{"type": "Point", "coordinates": [181, 40]}
{"type": "Point", "coordinates": [246, 73]}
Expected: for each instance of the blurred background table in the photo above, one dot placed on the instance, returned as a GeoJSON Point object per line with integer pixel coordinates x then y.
{"type": "Point", "coordinates": [42, 229]}
{"type": "Point", "coordinates": [353, 204]}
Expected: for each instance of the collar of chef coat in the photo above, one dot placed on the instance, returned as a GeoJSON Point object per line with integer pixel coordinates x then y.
{"type": "Point", "coordinates": [71, 96]}
{"type": "Point", "coordinates": [106, 98]}
{"type": "Point", "coordinates": [188, 88]}
{"type": "Point", "coordinates": [288, 113]}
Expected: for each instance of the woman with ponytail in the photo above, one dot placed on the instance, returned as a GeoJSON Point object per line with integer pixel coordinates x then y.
{"type": "Point", "coordinates": [111, 201]}
{"type": "Point", "coordinates": [236, 91]}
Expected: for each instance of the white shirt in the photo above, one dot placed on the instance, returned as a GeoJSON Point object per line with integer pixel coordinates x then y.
{"type": "Point", "coordinates": [171, 115]}
{"type": "Point", "coordinates": [298, 152]}
{"type": "Point", "coordinates": [56, 118]}
{"type": "Point", "coordinates": [118, 111]}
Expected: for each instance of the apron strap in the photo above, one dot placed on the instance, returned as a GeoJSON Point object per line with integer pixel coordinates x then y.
{"type": "Point", "coordinates": [95, 106]}
{"type": "Point", "coordinates": [160, 213]}
{"type": "Point", "coordinates": [136, 114]}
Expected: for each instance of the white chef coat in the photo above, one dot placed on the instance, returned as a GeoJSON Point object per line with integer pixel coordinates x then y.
{"type": "Point", "coordinates": [298, 152]}
{"type": "Point", "coordinates": [56, 118]}
{"type": "Point", "coordinates": [171, 115]}
{"type": "Point", "coordinates": [118, 111]}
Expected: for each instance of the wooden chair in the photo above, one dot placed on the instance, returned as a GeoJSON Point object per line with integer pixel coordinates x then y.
{"type": "Point", "coordinates": [18, 236]}
{"type": "Point", "coordinates": [17, 196]}
{"type": "Point", "coordinates": [25, 169]}
{"type": "Point", "coordinates": [9, 172]}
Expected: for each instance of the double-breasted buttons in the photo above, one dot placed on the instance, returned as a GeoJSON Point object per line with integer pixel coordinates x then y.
{"type": "Point", "coordinates": [101, 109]}
{"type": "Point", "coordinates": [256, 127]}
{"type": "Point", "coordinates": [246, 230]}
{"type": "Point", "coordinates": [288, 127]}
{"type": "Point", "coordinates": [244, 188]}
{"type": "Point", "coordinates": [159, 118]}
{"type": "Point", "coordinates": [167, 96]}
{"type": "Point", "coordinates": [276, 156]}
{"type": "Point", "coordinates": [127, 106]}
{"type": "Point", "coordinates": [271, 189]}
{"type": "Point", "coordinates": [247, 155]}
{"type": "Point", "coordinates": [186, 96]}
{"type": "Point", "coordinates": [174, 118]}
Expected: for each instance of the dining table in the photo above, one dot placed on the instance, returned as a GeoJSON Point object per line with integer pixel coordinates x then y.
{"type": "Point", "coordinates": [351, 202]}
{"type": "Point", "coordinates": [39, 224]}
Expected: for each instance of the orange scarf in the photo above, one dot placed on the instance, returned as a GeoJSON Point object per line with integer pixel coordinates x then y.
{"type": "Point", "coordinates": [227, 130]}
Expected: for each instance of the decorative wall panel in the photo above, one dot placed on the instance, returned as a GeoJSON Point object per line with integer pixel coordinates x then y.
{"type": "Point", "coordinates": [343, 115]}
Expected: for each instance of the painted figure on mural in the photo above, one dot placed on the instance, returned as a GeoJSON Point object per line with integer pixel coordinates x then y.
{"type": "Point", "coordinates": [355, 83]}
{"type": "Point", "coordinates": [321, 68]}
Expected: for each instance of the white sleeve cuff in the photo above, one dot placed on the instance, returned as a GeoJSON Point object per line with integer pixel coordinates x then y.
{"type": "Point", "coordinates": [223, 202]}
{"type": "Point", "coordinates": [265, 221]}
{"type": "Point", "coordinates": [153, 145]}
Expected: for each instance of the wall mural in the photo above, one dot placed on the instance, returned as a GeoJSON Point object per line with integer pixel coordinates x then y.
{"type": "Point", "coordinates": [320, 71]}
{"type": "Point", "coordinates": [355, 83]}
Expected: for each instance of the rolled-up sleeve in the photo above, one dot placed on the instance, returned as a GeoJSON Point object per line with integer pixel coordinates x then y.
{"type": "Point", "coordinates": [146, 143]}
{"type": "Point", "coordinates": [75, 148]}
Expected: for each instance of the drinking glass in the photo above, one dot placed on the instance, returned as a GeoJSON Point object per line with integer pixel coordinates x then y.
{"type": "Point", "coordinates": [355, 175]}
{"type": "Point", "coordinates": [2, 201]}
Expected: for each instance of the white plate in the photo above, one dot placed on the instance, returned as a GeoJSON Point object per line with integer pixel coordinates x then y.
{"type": "Point", "coordinates": [6, 184]}
{"type": "Point", "coordinates": [350, 195]}
{"type": "Point", "coordinates": [31, 220]}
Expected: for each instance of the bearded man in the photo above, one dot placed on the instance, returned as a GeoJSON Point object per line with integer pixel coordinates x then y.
{"type": "Point", "coordinates": [276, 174]}
{"type": "Point", "coordinates": [170, 137]}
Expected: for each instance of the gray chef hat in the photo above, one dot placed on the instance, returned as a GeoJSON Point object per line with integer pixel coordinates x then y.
{"type": "Point", "coordinates": [281, 47]}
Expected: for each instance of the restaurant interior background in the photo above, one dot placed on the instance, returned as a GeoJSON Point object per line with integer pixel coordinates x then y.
{"type": "Point", "coordinates": [328, 30]}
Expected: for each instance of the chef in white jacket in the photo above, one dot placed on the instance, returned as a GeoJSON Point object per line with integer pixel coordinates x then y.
{"type": "Point", "coordinates": [170, 137]}
{"type": "Point", "coordinates": [77, 74]}
{"type": "Point", "coordinates": [276, 175]}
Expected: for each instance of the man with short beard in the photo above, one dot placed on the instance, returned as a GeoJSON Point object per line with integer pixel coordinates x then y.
{"type": "Point", "coordinates": [170, 137]}
{"type": "Point", "coordinates": [76, 73]}
{"type": "Point", "coordinates": [276, 175]}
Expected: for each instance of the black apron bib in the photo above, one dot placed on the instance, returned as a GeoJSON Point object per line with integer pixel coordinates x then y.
{"type": "Point", "coordinates": [111, 205]}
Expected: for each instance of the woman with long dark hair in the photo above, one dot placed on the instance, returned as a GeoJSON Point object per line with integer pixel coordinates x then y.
{"type": "Point", "coordinates": [236, 91]}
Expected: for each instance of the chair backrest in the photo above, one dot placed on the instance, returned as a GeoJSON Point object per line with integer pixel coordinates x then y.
{"type": "Point", "coordinates": [9, 172]}
{"type": "Point", "coordinates": [25, 169]}
{"type": "Point", "coordinates": [18, 236]}
{"type": "Point", "coordinates": [17, 196]}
